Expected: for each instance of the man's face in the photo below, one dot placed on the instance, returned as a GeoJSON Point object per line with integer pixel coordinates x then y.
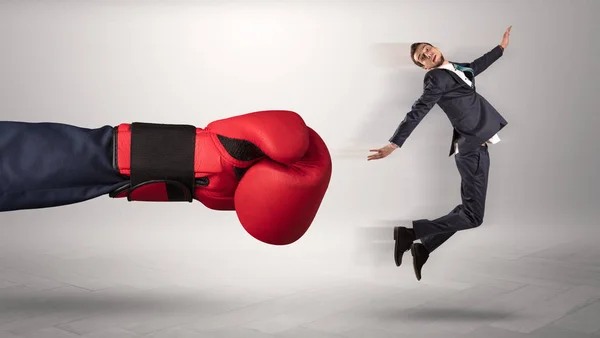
{"type": "Point", "coordinates": [429, 56]}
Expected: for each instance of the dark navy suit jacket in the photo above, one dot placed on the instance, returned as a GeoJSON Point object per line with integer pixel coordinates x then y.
{"type": "Point", "coordinates": [474, 119]}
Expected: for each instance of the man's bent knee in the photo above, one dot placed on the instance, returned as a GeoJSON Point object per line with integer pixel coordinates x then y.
{"type": "Point", "coordinates": [475, 220]}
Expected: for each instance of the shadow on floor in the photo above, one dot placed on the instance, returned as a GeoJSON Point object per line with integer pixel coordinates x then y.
{"type": "Point", "coordinates": [451, 314]}
{"type": "Point", "coordinates": [116, 304]}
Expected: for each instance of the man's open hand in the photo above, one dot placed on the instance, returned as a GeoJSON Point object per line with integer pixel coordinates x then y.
{"type": "Point", "coordinates": [504, 42]}
{"type": "Point", "coordinates": [382, 152]}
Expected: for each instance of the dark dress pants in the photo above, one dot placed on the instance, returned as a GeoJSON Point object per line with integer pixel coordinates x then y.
{"type": "Point", "coordinates": [473, 168]}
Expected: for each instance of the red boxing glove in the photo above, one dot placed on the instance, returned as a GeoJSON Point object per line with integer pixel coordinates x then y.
{"type": "Point", "coordinates": [268, 166]}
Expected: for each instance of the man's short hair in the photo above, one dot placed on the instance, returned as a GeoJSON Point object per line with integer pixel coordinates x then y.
{"type": "Point", "coordinates": [413, 49]}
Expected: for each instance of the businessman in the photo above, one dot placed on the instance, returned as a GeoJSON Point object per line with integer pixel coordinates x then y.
{"type": "Point", "coordinates": [476, 124]}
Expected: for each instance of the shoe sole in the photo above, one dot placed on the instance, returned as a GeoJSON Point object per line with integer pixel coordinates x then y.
{"type": "Point", "coordinates": [413, 251]}
{"type": "Point", "coordinates": [397, 258]}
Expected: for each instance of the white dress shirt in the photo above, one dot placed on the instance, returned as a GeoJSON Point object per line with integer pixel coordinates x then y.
{"type": "Point", "coordinates": [449, 66]}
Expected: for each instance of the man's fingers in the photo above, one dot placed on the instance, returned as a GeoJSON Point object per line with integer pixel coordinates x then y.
{"type": "Point", "coordinates": [374, 157]}
{"type": "Point", "coordinates": [379, 153]}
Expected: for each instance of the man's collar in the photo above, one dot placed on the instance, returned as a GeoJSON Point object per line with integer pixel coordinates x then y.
{"type": "Point", "coordinates": [449, 66]}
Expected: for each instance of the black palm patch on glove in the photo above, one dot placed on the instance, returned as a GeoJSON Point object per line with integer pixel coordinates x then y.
{"type": "Point", "coordinates": [240, 150]}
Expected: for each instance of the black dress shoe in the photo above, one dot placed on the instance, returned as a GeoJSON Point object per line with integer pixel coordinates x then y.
{"type": "Point", "coordinates": [420, 256]}
{"type": "Point", "coordinates": [403, 238]}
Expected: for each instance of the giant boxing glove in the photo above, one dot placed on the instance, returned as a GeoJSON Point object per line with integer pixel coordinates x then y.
{"type": "Point", "coordinates": [268, 166]}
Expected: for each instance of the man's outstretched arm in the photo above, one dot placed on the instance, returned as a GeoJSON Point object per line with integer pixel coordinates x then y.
{"type": "Point", "coordinates": [432, 93]}
{"type": "Point", "coordinates": [483, 62]}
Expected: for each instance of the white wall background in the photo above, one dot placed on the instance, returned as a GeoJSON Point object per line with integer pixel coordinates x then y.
{"type": "Point", "coordinates": [344, 66]}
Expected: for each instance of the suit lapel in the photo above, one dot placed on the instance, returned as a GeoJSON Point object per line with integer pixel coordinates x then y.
{"type": "Point", "coordinates": [458, 79]}
{"type": "Point", "coordinates": [469, 76]}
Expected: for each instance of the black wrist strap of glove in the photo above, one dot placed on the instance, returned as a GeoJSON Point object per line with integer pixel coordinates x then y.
{"type": "Point", "coordinates": [164, 153]}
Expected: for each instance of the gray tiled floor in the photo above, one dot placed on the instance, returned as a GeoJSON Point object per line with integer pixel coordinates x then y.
{"type": "Point", "coordinates": [61, 277]}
